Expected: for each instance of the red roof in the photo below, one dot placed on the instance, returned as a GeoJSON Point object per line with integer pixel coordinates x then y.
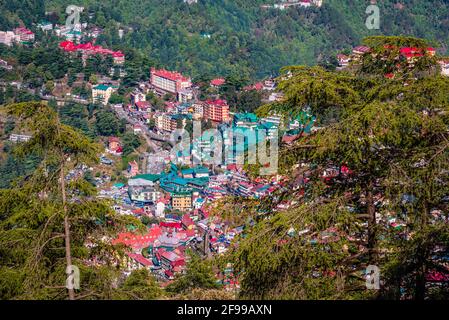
{"type": "Point", "coordinates": [258, 86]}
{"type": "Point", "coordinates": [133, 240]}
{"type": "Point", "coordinates": [363, 49]}
{"type": "Point", "coordinates": [143, 105]}
{"type": "Point", "coordinates": [218, 102]}
{"type": "Point", "coordinates": [170, 75]}
{"type": "Point", "coordinates": [141, 259]}
{"type": "Point", "coordinates": [186, 220]}
{"type": "Point", "coordinates": [170, 224]}
{"type": "Point", "coordinates": [90, 48]}
{"type": "Point", "coordinates": [218, 82]}
{"type": "Point", "coordinates": [23, 30]}
{"type": "Point", "coordinates": [114, 139]}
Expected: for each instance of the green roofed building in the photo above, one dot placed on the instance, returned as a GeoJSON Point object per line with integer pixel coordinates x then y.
{"type": "Point", "coordinates": [247, 120]}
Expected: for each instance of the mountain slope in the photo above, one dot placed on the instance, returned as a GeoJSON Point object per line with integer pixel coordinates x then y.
{"type": "Point", "coordinates": [246, 39]}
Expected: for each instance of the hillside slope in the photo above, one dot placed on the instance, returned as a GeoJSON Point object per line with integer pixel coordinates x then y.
{"type": "Point", "coordinates": [244, 38]}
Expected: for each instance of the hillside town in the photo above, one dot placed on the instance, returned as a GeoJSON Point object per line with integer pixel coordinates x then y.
{"type": "Point", "coordinates": [176, 195]}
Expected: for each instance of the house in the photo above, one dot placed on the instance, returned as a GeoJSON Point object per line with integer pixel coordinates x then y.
{"type": "Point", "coordinates": [138, 128]}
{"type": "Point", "coordinates": [198, 172]}
{"type": "Point", "coordinates": [411, 53]}
{"type": "Point", "coordinates": [137, 96]}
{"type": "Point", "coordinates": [95, 32]}
{"type": "Point", "coordinates": [146, 194]}
{"type": "Point", "coordinates": [24, 35]}
{"type": "Point", "coordinates": [361, 50]}
{"type": "Point", "coordinates": [160, 209]}
{"type": "Point", "coordinates": [115, 146]}
{"type": "Point", "coordinates": [143, 106]}
{"type": "Point", "coordinates": [118, 58]}
{"type": "Point", "coordinates": [218, 82]}
{"type": "Point", "coordinates": [187, 222]}
{"type": "Point", "coordinates": [7, 38]}
{"type": "Point", "coordinates": [139, 242]}
{"type": "Point", "coordinates": [246, 120]}
{"type": "Point", "coordinates": [271, 129]}
{"type": "Point", "coordinates": [273, 119]}
{"type": "Point", "coordinates": [133, 168]}
{"type": "Point", "coordinates": [165, 81]}
{"type": "Point", "coordinates": [45, 26]}
{"type": "Point", "coordinates": [185, 95]}
{"type": "Point", "coordinates": [444, 64]}
{"type": "Point", "coordinates": [216, 111]}
{"type": "Point", "coordinates": [19, 138]}
{"type": "Point", "coordinates": [4, 64]}
{"type": "Point", "coordinates": [276, 96]}
{"type": "Point", "coordinates": [343, 60]}
{"type": "Point", "coordinates": [259, 86]}
{"type": "Point", "coordinates": [137, 261]}
{"type": "Point", "coordinates": [102, 93]}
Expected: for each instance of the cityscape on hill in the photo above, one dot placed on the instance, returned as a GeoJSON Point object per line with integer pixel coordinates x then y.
{"type": "Point", "coordinates": [239, 150]}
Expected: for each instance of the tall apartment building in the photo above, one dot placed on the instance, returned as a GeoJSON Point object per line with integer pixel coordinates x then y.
{"type": "Point", "coordinates": [181, 201]}
{"type": "Point", "coordinates": [216, 110]}
{"type": "Point", "coordinates": [168, 81]}
{"type": "Point", "coordinates": [165, 122]}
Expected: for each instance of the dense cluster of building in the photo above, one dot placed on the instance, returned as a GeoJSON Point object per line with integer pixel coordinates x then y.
{"type": "Point", "coordinates": [19, 35]}
{"type": "Point", "coordinates": [178, 203]}
{"type": "Point", "coordinates": [410, 54]}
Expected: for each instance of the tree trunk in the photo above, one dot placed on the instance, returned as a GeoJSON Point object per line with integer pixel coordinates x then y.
{"type": "Point", "coordinates": [68, 253]}
{"type": "Point", "coordinates": [371, 224]}
{"type": "Point", "coordinates": [420, 282]}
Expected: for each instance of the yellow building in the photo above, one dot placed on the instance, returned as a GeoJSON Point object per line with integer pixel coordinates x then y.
{"type": "Point", "coordinates": [102, 93]}
{"type": "Point", "coordinates": [182, 201]}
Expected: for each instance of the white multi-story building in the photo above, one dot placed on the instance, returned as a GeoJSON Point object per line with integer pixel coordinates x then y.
{"type": "Point", "coordinates": [7, 37]}
{"type": "Point", "coordinates": [169, 82]}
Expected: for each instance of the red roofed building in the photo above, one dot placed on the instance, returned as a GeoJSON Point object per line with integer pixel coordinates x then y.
{"type": "Point", "coordinates": [143, 106]}
{"type": "Point", "coordinates": [258, 87]}
{"type": "Point", "coordinates": [343, 60]}
{"type": "Point", "coordinates": [115, 145]}
{"type": "Point", "coordinates": [361, 50]}
{"type": "Point", "coordinates": [216, 110]}
{"type": "Point", "coordinates": [170, 259]}
{"type": "Point", "coordinates": [168, 81]}
{"type": "Point", "coordinates": [138, 241]}
{"type": "Point", "coordinates": [24, 35]}
{"type": "Point", "coordinates": [90, 49]}
{"type": "Point", "coordinates": [187, 222]}
{"type": "Point", "coordinates": [119, 57]}
{"type": "Point", "coordinates": [411, 52]}
{"type": "Point", "coordinates": [217, 82]}
{"type": "Point", "coordinates": [138, 261]}
{"type": "Point", "coordinates": [171, 224]}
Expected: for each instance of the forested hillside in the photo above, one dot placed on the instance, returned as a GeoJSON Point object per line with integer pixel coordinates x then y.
{"type": "Point", "coordinates": [244, 38]}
